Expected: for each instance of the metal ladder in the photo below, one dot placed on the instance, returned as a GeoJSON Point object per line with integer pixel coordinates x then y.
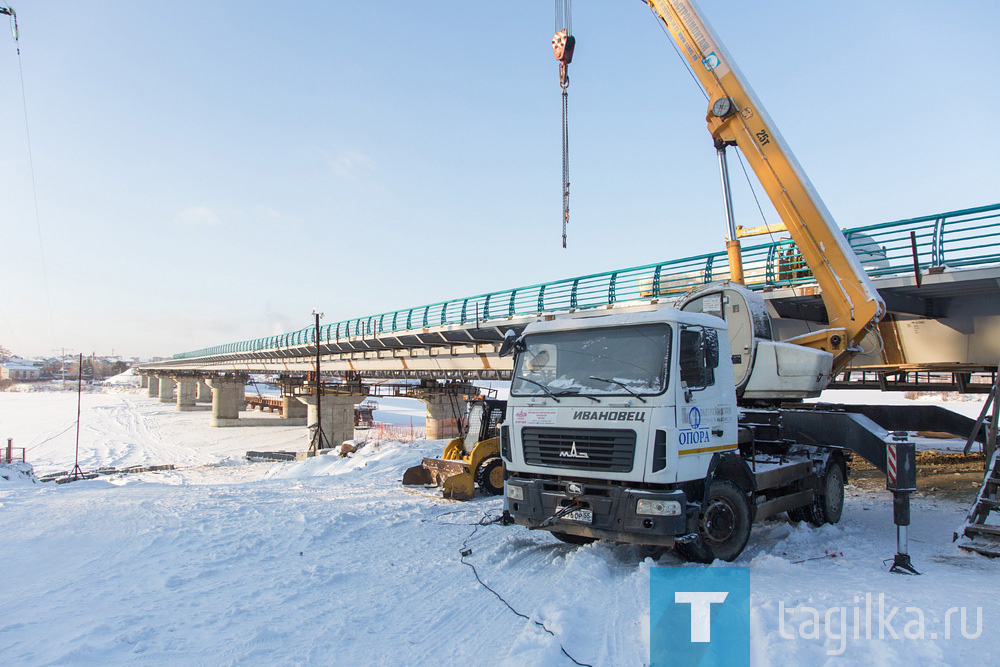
{"type": "Point", "coordinates": [982, 537]}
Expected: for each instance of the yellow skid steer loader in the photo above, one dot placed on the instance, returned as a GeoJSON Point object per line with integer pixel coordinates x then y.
{"type": "Point", "coordinates": [470, 461]}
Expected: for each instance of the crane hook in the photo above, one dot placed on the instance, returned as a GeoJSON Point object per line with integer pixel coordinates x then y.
{"type": "Point", "coordinates": [562, 46]}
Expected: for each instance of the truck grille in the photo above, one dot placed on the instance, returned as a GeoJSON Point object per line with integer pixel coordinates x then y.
{"type": "Point", "coordinates": [611, 450]}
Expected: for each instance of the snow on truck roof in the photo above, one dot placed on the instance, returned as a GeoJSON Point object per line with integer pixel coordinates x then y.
{"type": "Point", "coordinates": [667, 314]}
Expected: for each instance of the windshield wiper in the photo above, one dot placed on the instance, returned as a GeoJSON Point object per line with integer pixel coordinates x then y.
{"type": "Point", "coordinates": [620, 384]}
{"type": "Point", "coordinates": [537, 384]}
{"type": "Point", "coordinates": [572, 392]}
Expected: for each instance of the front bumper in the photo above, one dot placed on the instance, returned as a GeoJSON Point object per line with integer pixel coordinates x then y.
{"type": "Point", "coordinates": [613, 507]}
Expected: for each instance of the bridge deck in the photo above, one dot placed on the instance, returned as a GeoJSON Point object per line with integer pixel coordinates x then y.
{"type": "Point", "coordinates": [958, 255]}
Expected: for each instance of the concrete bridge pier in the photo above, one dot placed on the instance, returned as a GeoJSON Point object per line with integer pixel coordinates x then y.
{"type": "Point", "coordinates": [227, 400]}
{"type": "Point", "coordinates": [293, 408]}
{"type": "Point", "coordinates": [337, 416]}
{"type": "Point", "coordinates": [187, 389]}
{"type": "Point", "coordinates": [444, 414]}
{"type": "Point", "coordinates": [143, 381]}
{"type": "Point", "coordinates": [204, 392]}
{"type": "Point", "coordinates": [167, 390]}
{"type": "Point", "coordinates": [445, 409]}
{"type": "Point", "coordinates": [152, 386]}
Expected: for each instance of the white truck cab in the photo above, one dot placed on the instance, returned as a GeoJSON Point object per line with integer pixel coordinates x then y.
{"type": "Point", "coordinates": [626, 428]}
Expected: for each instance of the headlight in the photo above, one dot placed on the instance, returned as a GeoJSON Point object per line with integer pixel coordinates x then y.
{"type": "Point", "coordinates": [658, 507]}
{"type": "Point", "coordinates": [515, 492]}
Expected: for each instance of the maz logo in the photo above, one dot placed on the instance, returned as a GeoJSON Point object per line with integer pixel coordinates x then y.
{"type": "Point", "coordinates": [573, 454]}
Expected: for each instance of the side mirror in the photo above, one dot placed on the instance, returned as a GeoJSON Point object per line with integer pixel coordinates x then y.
{"type": "Point", "coordinates": [511, 343]}
{"type": "Point", "coordinates": [711, 343]}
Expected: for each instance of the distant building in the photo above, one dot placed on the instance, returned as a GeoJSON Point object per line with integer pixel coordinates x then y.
{"type": "Point", "coordinates": [17, 371]}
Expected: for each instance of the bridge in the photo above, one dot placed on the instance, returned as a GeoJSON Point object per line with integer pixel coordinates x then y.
{"type": "Point", "coordinates": [939, 275]}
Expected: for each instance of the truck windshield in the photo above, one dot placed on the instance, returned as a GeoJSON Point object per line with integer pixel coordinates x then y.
{"type": "Point", "coordinates": [571, 362]}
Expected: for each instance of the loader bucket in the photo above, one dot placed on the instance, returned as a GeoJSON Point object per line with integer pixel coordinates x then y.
{"type": "Point", "coordinates": [454, 476]}
{"type": "Point", "coordinates": [416, 475]}
{"type": "Point", "coordinates": [460, 487]}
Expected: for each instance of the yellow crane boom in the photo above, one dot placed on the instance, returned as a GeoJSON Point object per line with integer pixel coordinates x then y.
{"type": "Point", "coordinates": [736, 117]}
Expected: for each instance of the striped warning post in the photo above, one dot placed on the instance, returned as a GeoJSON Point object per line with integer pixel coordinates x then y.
{"type": "Point", "coordinates": [891, 460]}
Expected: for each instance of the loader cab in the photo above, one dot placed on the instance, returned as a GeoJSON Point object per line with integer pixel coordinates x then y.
{"type": "Point", "coordinates": [483, 421]}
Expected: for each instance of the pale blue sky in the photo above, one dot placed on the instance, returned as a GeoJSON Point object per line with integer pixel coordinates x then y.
{"type": "Point", "coordinates": [196, 161]}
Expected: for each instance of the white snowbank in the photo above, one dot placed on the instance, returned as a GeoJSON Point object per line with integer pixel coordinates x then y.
{"type": "Point", "coordinates": [391, 457]}
{"type": "Point", "coordinates": [17, 474]}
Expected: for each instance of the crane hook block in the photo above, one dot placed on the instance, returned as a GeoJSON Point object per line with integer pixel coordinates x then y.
{"type": "Point", "coordinates": [562, 46]}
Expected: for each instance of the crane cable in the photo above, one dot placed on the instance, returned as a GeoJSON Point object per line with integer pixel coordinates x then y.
{"type": "Point", "coordinates": [9, 12]}
{"type": "Point", "coordinates": [563, 44]}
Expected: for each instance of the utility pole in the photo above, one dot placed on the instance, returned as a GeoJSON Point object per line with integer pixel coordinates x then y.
{"type": "Point", "coordinates": [62, 361]}
{"type": "Point", "coordinates": [77, 473]}
{"type": "Point", "coordinates": [319, 440]}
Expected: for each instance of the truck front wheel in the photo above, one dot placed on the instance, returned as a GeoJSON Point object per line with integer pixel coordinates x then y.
{"type": "Point", "coordinates": [723, 525]}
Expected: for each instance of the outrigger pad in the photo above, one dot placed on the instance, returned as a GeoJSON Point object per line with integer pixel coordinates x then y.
{"type": "Point", "coordinates": [902, 565]}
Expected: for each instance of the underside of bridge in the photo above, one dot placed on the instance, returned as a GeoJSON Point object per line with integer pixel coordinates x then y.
{"type": "Point", "coordinates": [950, 322]}
{"type": "Point", "coordinates": [939, 276]}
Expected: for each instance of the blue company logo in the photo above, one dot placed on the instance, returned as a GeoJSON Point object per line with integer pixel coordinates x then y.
{"type": "Point", "coordinates": [699, 616]}
{"type": "Point", "coordinates": [711, 61]}
{"type": "Point", "coordinates": [694, 418]}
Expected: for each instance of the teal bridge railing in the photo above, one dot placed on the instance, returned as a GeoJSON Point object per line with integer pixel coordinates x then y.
{"type": "Point", "coordinates": [968, 237]}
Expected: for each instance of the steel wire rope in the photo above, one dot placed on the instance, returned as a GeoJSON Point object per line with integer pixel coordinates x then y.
{"type": "Point", "coordinates": [705, 94]}
{"type": "Point", "coordinates": [563, 16]}
{"type": "Point", "coordinates": [52, 437]}
{"type": "Point", "coordinates": [670, 39]}
{"type": "Point", "coordinates": [739, 156]}
{"type": "Point", "coordinates": [31, 168]}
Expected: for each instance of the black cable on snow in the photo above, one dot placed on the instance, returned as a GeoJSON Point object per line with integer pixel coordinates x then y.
{"type": "Point", "coordinates": [465, 551]}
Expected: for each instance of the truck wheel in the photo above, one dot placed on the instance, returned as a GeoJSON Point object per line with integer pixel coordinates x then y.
{"type": "Point", "coordinates": [828, 506]}
{"type": "Point", "coordinates": [723, 525]}
{"type": "Point", "coordinates": [489, 477]}
{"type": "Point", "coordinates": [573, 539]}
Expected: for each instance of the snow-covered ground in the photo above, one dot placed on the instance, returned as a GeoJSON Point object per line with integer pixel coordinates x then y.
{"type": "Point", "coordinates": [331, 561]}
{"type": "Point", "coordinates": [124, 427]}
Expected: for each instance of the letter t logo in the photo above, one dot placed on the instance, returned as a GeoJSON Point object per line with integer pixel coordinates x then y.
{"type": "Point", "coordinates": [701, 611]}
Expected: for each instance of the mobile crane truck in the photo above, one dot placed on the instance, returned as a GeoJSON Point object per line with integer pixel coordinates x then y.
{"type": "Point", "coordinates": [679, 426]}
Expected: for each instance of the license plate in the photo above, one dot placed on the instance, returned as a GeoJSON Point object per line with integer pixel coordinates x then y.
{"type": "Point", "coordinates": [580, 516]}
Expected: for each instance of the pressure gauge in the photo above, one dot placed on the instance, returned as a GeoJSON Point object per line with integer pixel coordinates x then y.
{"type": "Point", "coordinates": [722, 107]}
